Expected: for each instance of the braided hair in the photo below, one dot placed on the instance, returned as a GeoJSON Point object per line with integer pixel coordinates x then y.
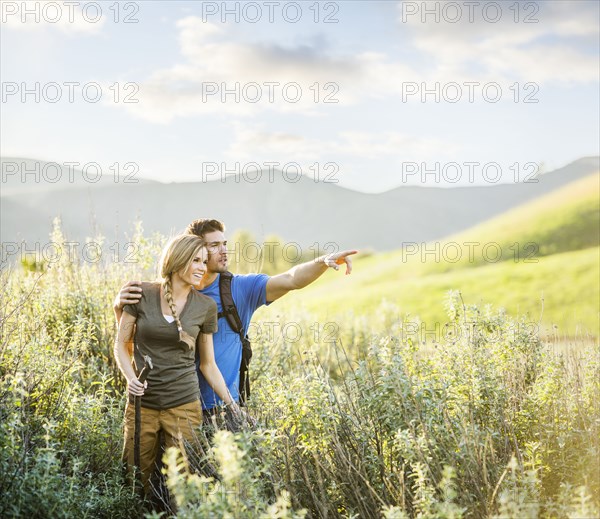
{"type": "Point", "coordinates": [178, 255]}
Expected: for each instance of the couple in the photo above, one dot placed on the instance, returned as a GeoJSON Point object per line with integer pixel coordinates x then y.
{"type": "Point", "coordinates": [175, 318]}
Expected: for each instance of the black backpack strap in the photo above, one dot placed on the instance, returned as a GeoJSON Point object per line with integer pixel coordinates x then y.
{"type": "Point", "coordinates": [229, 311]}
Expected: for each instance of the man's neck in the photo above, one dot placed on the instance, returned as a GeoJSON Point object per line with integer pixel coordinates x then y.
{"type": "Point", "coordinates": [207, 280]}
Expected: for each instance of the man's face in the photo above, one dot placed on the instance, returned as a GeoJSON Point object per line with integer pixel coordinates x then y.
{"type": "Point", "coordinates": [216, 244]}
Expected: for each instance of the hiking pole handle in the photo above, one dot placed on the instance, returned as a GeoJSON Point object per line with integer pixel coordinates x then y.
{"type": "Point", "coordinates": [144, 373]}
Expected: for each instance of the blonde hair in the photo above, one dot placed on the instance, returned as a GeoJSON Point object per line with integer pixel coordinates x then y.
{"type": "Point", "coordinates": [178, 255]}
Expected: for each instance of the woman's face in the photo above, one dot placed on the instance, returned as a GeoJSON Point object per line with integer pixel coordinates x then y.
{"type": "Point", "coordinates": [194, 273]}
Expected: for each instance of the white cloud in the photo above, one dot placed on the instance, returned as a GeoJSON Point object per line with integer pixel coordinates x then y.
{"type": "Point", "coordinates": [285, 147]}
{"type": "Point", "coordinates": [209, 48]}
{"type": "Point", "coordinates": [548, 50]}
{"type": "Point", "coordinates": [346, 157]}
{"type": "Point", "coordinates": [243, 79]}
{"type": "Point", "coordinates": [391, 144]}
{"type": "Point", "coordinates": [272, 146]}
{"type": "Point", "coordinates": [66, 17]}
{"type": "Point", "coordinates": [219, 75]}
{"type": "Point", "coordinates": [225, 77]}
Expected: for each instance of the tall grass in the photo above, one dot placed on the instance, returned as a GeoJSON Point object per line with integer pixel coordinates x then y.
{"type": "Point", "coordinates": [486, 423]}
{"type": "Point", "coordinates": [358, 420]}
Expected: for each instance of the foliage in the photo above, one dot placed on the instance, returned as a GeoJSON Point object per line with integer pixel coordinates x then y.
{"type": "Point", "coordinates": [483, 421]}
{"type": "Point", "coordinates": [362, 417]}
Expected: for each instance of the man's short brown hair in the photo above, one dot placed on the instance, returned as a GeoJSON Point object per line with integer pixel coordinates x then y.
{"type": "Point", "coordinates": [204, 225]}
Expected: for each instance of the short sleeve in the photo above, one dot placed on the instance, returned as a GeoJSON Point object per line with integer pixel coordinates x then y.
{"type": "Point", "coordinates": [131, 309]}
{"type": "Point", "coordinates": [210, 321]}
{"type": "Point", "coordinates": [253, 290]}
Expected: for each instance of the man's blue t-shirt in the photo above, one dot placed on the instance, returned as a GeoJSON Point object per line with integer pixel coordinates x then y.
{"type": "Point", "coordinates": [249, 291]}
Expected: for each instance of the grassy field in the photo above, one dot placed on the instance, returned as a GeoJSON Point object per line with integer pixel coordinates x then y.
{"type": "Point", "coordinates": [567, 283]}
{"type": "Point", "coordinates": [564, 220]}
{"type": "Point", "coordinates": [556, 261]}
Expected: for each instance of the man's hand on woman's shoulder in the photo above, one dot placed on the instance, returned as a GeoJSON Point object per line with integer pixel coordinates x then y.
{"type": "Point", "coordinates": [130, 294]}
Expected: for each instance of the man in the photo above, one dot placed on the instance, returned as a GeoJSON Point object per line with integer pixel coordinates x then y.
{"type": "Point", "coordinates": [249, 292]}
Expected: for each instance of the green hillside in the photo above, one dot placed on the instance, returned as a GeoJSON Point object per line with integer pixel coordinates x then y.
{"type": "Point", "coordinates": [564, 220]}
{"type": "Point", "coordinates": [565, 271]}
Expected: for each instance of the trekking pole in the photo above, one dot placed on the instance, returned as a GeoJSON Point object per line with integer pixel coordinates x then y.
{"type": "Point", "coordinates": [138, 423]}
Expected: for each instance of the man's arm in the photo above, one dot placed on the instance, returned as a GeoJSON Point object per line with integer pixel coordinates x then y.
{"type": "Point", "coordinates": [130, 294]}
{"type": "Point", "coordinates": [302, 275]}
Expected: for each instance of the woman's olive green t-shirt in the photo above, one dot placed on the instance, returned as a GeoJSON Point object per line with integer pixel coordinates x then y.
{"type": "Point", "coordinates": [172, 381]}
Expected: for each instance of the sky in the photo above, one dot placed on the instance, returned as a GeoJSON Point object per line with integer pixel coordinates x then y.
{"type": "Point", "coordinates": [366, 94]}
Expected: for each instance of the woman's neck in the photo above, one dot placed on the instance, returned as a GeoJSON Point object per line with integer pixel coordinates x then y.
{"type": "Point", "coordinates": [179, 288]}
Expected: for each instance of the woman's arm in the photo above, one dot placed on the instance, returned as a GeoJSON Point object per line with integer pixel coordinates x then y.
{"type": "Point", "coordinates": [211, 371]}
{"type": "Point", "coordinates": [122, 355]}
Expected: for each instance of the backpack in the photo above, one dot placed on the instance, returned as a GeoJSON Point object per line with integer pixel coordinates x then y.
{"type": "Point", "coordinates": [229, 311]}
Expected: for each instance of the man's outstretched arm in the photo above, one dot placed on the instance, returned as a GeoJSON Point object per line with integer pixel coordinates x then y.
{"type": "Point", "coordinates": [303, 275]}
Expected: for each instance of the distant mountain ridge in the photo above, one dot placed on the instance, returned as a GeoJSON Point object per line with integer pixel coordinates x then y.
{"type": "Point", "coordinates": [22, 175]}
{"type": "Point", "coordinates": [304, 212]}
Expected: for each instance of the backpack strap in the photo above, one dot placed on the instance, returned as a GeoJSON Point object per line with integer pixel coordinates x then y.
{"type": "Point", "coordinates": [229, 311]}
{"type": "Point", "coordinates": [228, 308]}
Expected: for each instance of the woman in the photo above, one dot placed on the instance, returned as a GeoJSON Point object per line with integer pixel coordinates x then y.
{"type": "Point", "coordinates": [170, 321]}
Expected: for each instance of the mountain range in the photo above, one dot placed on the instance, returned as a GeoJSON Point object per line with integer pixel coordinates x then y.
{"type": "Point", "coordinates": [304, 212]}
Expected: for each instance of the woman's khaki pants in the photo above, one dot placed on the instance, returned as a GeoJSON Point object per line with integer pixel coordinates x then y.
{"type": "Point", "coordinates": [176, 423]}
